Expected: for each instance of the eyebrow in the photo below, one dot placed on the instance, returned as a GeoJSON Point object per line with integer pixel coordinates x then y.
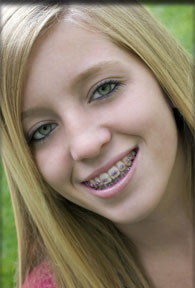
{"type": "Point", "coordinates": [95, 69]}
{"type": "Point", "coordinates": [35, 111]}
{"type": "Point", "coordinates": [85, 75]}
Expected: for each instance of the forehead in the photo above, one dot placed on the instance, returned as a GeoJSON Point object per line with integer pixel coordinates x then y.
{"type": "Point", "coordinates": [73, 43]}
{"type": "Point", "coordinates": [66, 53]}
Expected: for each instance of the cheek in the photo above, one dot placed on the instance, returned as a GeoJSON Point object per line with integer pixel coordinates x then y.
{"type": "Point", "coordinates": [132, 115]}
{"type": "Point", "coordinates": [53, 163]}
{"type": "Point", "coordinates": [144, 114]}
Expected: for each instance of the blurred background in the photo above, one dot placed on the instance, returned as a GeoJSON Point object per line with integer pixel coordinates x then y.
{"type": "Point", "coordinates": [178, 18]}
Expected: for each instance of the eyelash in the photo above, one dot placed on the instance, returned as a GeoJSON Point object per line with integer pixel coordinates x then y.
{"type": "Point", "coordinates": [37, 130]}
{"type": "Point", "coordinates": [116, 84]}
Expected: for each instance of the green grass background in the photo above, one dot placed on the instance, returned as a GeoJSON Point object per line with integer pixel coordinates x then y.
{"type": "Point", "coordinates": [179, 20]}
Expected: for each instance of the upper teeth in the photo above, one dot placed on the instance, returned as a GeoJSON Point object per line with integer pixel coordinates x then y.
{"type": "Point", "coordinates": [113, 173]}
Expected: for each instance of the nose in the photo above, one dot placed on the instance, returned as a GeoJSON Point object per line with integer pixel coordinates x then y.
{"type": "Point", "coordinates": [87, 137]}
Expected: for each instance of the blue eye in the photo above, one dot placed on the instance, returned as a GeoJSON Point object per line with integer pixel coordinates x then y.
{"type": "Point", "coordinates": [42, 132]}
{"type": "Point", "coordinates": [105, 89]}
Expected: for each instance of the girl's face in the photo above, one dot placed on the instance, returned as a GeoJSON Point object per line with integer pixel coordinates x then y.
{"type": "Point", "coordinates": [100, 129]}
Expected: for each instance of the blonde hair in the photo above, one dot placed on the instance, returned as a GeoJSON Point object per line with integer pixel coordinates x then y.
{"type": "Point", "coordinates": [84, 249]}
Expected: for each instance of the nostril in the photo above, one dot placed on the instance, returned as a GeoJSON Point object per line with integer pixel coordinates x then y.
{"type": "Point", "coordinates": [91, 148]}
{"type": "Point", "coordinates": [105, 136]}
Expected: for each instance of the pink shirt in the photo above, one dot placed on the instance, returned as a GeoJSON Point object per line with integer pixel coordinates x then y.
{"type": "Point", "coordinates": [40, 277]}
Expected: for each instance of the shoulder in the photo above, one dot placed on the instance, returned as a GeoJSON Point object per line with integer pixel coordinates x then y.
{"type": "Point", "coordinates": [40, 277]}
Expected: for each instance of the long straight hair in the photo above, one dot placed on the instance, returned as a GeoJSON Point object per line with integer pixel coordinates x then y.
{"type": "Point", "coordinates": [84, 249]}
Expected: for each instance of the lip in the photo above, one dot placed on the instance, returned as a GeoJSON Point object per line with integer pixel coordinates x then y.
{"type": "Point", "coordinates": [111, 163]}
{"type": "Point", "coordinates": [112, 191]}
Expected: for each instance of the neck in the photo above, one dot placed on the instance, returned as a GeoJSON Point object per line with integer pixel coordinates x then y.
{"type": "Point", "coordinates": [168, 232]}
{"type": "Point", "coordinates": [164, 246]}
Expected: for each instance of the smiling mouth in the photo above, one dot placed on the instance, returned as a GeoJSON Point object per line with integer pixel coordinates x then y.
{"type": "Point", "coordinates": [114, 175]}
